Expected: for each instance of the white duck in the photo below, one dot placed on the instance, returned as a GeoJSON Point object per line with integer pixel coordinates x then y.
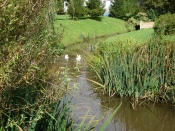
{"type": "Point", "coordinates": [78, 58]}
{"type": "Point", "coordinates": [66, 57]}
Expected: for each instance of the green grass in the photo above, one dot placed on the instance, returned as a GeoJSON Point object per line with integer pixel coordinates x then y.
{"type": "Point", "coordinates": [141, 35]}
{"type": "Point", "coordinates": [76, 30]}
{"type": "Point", "coordinates": [170, 37]}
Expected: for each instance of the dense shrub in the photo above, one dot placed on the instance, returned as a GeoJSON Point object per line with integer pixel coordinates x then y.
{"type": "Point", "coordinates": [142, 16]}
{"type": "Point", "coordinates": [133, 23]}
{"type": "Point", "coordinates": [165, 25]}
{"type": "Point", "coordinates": [28, 46]}
{"type": "Point", "coordinates": [135, 20]}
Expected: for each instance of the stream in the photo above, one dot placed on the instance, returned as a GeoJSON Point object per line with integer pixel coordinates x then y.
{"type": "Point", "coordinates": [147, 117]}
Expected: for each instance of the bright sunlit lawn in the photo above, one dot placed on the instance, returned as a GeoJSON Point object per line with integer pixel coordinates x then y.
{"type": "Point", "coordinates": [75, 30]}
{"type": "Point", "coordinates": [141, 35]}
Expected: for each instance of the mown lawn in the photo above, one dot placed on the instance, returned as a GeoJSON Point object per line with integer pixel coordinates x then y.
{"type": "Point", "coordinates": [141, 35]}
{"type": "Point", "coordinates": [75, 30]}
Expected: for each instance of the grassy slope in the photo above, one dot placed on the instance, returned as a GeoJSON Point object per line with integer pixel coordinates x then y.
{"type": "Point", "coordinates": [141, 35]}
{"type": "Point", "coordinates": [75, 30]}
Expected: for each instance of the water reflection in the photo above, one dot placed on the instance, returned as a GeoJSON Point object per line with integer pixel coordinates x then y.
{"type": "Point", "coordinates": [144, 118]}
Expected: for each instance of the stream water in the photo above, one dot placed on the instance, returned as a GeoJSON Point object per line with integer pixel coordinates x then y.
{"type": "Point", "coordinates": [147, 117]}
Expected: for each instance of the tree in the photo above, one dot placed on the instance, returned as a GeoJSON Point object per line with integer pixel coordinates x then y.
{"type": "Point", "coordinates": [124, 9]}
{"type": "Point", "coordinates": [76, 8]}
{"type": "Point", "coordinates": [159, 6]}
{"type": "Point", "coordinates": [95, 8]}
{"type": "Point", "coordinates": [60, 6]}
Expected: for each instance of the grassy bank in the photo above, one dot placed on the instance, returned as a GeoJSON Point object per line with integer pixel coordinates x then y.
{"type": "Point", "coordinates": [78, 30]}
{"type": "Point", "coordinates": [141, 35]}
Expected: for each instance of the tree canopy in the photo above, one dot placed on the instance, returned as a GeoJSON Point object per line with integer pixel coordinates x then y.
{"type": "Point", "coordinates": [124, 9]}
{"type": "Point", "coordinates": [76, 8]}
{"type": "Point", "coordinates": [95, 7]}
{"type": "Point", "coordinates": [60, 6]}
{"type": "Point", "coordinates": [159, 6]}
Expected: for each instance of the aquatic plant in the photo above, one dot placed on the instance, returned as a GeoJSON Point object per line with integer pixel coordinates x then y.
{"type": "Point", "coordinates": [127, 68]}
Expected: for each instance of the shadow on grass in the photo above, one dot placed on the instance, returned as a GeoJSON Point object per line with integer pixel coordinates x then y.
{"type": "Point", "coordinates": [67, 17]}
{"type": "Point", "coordinates": [96, 18]}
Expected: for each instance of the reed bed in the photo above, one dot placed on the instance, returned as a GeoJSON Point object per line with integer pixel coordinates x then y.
{"type": "Point", "coordinates": [140, 71]}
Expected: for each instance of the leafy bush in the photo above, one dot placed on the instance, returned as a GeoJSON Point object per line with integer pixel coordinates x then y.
{"type": "Point", "coordinates": [152, 14]}
{"type": "Point", "coordinates": [165, 25]}
{"type": "Point", "coordinates": [142, 16]}
{"type": "Point", "coordinates": [135, 20]}
{"type": "Point", "coordinates": [133, 23]}
{"type": "Point", "coordinates": [29, 44]}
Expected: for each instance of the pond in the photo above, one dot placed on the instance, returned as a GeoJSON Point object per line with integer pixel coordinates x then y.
{"type": "Point", "coordinates": [147, 117]}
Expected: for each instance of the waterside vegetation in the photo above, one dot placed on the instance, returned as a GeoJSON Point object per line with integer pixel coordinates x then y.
{"type": "Point", "coordinates": [141, 71]}
{"type": "Point", "coordinates": [31, 96]}
{"type": "Point", "coordinates": [32, 36]}
{"type": "Point", "coordinates": [28, 47]}
{"type": "Point", "coordinates": [139, 68]}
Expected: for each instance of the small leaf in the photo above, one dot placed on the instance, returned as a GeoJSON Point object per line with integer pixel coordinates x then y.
{"type": "Point", "coordinates": [109, 119]}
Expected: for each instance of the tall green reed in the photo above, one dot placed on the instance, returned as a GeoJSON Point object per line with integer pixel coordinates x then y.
{"type": "Point", "coordinates": [127, 68]}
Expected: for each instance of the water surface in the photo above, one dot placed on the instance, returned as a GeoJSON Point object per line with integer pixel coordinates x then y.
{"type": "Point", "coordinates": [148, 117]}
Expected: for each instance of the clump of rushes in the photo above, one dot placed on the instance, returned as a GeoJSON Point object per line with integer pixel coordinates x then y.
{"type": "Point", "coordinates": [142, 72]}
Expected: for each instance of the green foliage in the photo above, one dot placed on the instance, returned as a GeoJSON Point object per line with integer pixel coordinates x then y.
{"type": "Point", "coordinates": [116, 9]}
{"type": "Point", "coordinates": [95, 8]}
{"type": "Point", "coordinates": [29, 44]}
{"type": "Point", "coordinates": [152, 14]}
{"type": "Point", "coordinates": [60, 6]}
{"type": "Point", "coordinates": [96, 12]}
{"type": "Point", "coordinates": [159, 6]}
{"type": "Point", "coordinates": [135, 20]}
{"type": "Point", "coordinates": [165, 25]}
{"type": "Point", "coordinates": [142, 16]}
{"type": "Point", "coordinates": [127, 68]}
{"type": "Point", "coordinates": [109, 119]}
{"type": "Point", "coordinates": [124, 9]}
{"type": "Point", "coordinates": [133, 23]}
{"type": "Point", "coordinates": [76, 9]}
